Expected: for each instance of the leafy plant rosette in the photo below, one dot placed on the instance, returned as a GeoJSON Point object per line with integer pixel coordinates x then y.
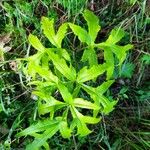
{"type": "Point", "coordinates": [59, 84]}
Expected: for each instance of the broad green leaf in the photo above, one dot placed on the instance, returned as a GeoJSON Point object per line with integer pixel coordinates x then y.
{"type": "Point", "coordinates": [82, 128]}
{"type": "Point", "coordinates": [45, 61]}
{"type": "Point", "coordinates": [76, 91]}
{"type": "Point", "coordinates": [90, 120]}
{"type": "Point", "coordinates": [44, 90]}
{"type": "Point", "coordinates": [35, 58]}
{"type": "Point", "coordinates": [88, 74]}
{"type": "Point", "coordinates": [46, 74]}
{"type": "Point", "coordinates": [61, 52]}
{"type": "Point", "coordinates": [104, 86]}
{"type": "Point", "coordinates": [109, 58]}
{"type": "Point", "coordinates": [48, 29]}
{"type": "Point", "coordinates": [65, 93]}
{"type": "Point", "coordinates": [109, 105]}
{"type": "Point", "coordinates": [64, 130]}
{"type": "Point", "coordinates": [93, 57]}
{"type": "Point", "coordinates": [79, 102]}
{"type": "Point", "coordinates": [65, 54]}
{"type": "Point", "coordinates": [38, 142]}
{"type": "Point", "coordinates": [80, 121]}
{"type": "Point", "coordinates": [99, 99]}
{"type": "Point", "coordinates": [62, 67]}
{"type": "Point", "coordinates": [81, 33]}
{"type": "Point", "coordinates": [93, 24]}
{"type": "Point", "coordinates": [85, 56]}
{"type": "Point", "coordinates": [40, 126]}
{"type": "Point", "coordinates": [61, 34]}
{"type": "Point", "coordinates": [93, 94]}
{"type": "Point", "coordinates": [86, 119]}
{"type": "Point", "coordinates": [32, 62]}
{"type": "Point", "coordinates": [120, 51]}
{"type": "Point", "coordinates": [35, 42]}
{"type": "Point", "coordinates": [46, 103]}
{"type": "Point", "coordinates": [50, 127]}
{"type": "Point", "coordinates": [50, 105]}
{"type": "Point", "coordinates": [42, 94]}
{"type": "Point", "coordinates": [115, 36]}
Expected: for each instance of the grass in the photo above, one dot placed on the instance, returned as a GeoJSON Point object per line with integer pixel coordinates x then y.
{"type": "Point", "coordinates": [128, 127]}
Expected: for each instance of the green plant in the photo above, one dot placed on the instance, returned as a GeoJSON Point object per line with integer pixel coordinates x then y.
{"type": "Point", "coordinates": [73, 7]}
{"type": "Point", "coordinates": [64, 91]}
{"type": "Point", "coordinates": [127, 70]}
{"type": "Point", "coordinates": [145, 59]}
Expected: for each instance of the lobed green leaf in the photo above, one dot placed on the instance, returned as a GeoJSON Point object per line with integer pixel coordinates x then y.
{"type": "Point", "coordinates": [79, 102]}
{"type": "Point", "coordinates": [62, 67]}
{"type": "Point", "coordinates": [115, 36]}
{"type": "Point", "coordinates": [61, 34]}
{"type": "Point", "coordinates": [80, 33]}
{"type": "Point", "coordinates": [88, 74]}
{"type": "Point", "coordinates": [93, 57]}
{"type": "Point", "coordinates": [64, 130]}
{"type": "Point", "coordinates": [51, 105]}
{"type": "Point", "coordinates": [93, 24]}
{"type": "Point", "coordinates": [47, 26]}
{"type": "Point", "coordinates": [65, 93]}
{"type": "Point", "coordinates": [98, 97]}
{"type": "Point", "coordinates": [40, 126]}
{"type": "Point", "coordinates": [35, 42]}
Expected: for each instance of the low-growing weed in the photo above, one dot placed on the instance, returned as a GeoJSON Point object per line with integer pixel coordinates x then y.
{"type": "Point", "coordinates": [69, 97]}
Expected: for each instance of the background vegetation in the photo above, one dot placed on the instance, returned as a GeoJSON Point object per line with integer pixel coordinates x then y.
{"type": "Point", "coordinates": [128, 126]}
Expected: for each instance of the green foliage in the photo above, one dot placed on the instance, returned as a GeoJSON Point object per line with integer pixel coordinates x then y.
{"type": "Point", "coordinates": [146, 59]}
{"type": "Point", "coordinates": [110, 48]}
{"type": "Point", "coordinates": [127, 70]}
{"type": "Point", "coordinates": [144, 93]}
{"type": "Point", "coordinates": [58, 83]}
{"type": "Point", "coordinates": [73, 7]}
{"type": "Point", "coordinates": [124, 128]}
